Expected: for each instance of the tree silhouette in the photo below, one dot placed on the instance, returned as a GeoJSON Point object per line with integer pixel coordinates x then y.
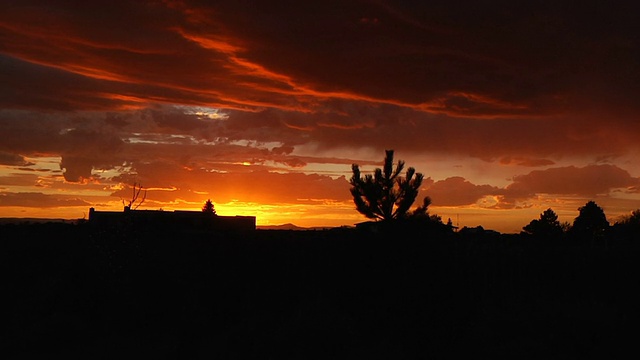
{"type": "Point", "coordinates": [628, 226]}
{"type": "Point", "coordinates": [591, 223]}
{"type": "Point", "coordinates": [209, 208]}
{"type": "Point", "coordinates": [547, 226]}
{"type": "Point", "coordinates": [386, 195]}
{"type": "Point", "coordinates": [134, 197]}
{"type": "Point", "coordinates": [631, 220]}
{"type": "Point", "coordinates": [422, 213]}
{"type": "Point", "coordinates": [423, 210]}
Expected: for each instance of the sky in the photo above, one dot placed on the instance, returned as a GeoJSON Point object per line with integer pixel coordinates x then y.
{"type": "Point", "coordinates": [507, 108]}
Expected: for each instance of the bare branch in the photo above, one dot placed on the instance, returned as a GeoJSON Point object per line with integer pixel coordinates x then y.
{"type": "Point", "coordinates": [137, 188]}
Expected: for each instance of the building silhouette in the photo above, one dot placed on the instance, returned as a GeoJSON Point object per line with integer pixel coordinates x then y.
{"type": "Point", "coordinates": [178, 220]}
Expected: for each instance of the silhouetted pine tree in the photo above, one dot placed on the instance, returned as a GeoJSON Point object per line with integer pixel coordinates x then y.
{"type": "Point", "coordinates": [385, 195]}
{"type": "Point", "coordinates": [209, 208]}
{"type": "Point", "coordinates": [547, 227]}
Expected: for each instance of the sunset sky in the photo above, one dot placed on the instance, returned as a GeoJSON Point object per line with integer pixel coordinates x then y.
{"type": "Point", "coordinates": [507, 108]}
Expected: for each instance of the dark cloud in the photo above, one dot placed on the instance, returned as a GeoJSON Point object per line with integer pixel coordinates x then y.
{"type": "Point", "coordinates": [525, 142]}
{"type": "Point", "coordinates": [13, 159]}
{"type": "Point", "coordinates": [490, 61]}
{"type": "Point", "coordinates": [39, 200]}
{"type": "Point", "coordinates": [586, 182]}
{"type": "Point", "coordinates": [76, 169]}
{"type": "Point", "coordinates": [29, 85]}
{"type": "Point", "coordinates": [508, 160]}
{"type": "Point", "coordinates": [282, 150]}
{"type": "Point", "coordinates": [18, 180]}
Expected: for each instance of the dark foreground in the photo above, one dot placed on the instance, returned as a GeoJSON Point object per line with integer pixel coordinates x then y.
{"type": "Point", "coordinates": [335, 294]}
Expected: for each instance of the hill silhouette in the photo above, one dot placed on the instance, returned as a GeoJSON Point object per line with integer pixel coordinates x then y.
{"type": "Point", "coordinates": [287, 226]}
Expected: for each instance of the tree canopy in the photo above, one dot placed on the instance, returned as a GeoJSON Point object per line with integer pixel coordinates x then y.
{"type": "Point", "coordinates": [591, 222]}
{"type": "Point", "coordinates": [631, 220]}
{"type": "Point", "coordinates": [386, 195]}
{"type": "Point", "coordinates": [547, 226]}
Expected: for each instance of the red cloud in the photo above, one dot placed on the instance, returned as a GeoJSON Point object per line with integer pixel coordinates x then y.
{"type": "Point", "coordinates": [456, 191]}
{"type": "Point", "coordinates": [586, 181]}
{"type": "Point", "coordinates": [529, 162]}
{"type": "Point", "coordinates": [249, 58]}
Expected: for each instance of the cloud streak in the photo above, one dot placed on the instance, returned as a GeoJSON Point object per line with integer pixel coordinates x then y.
{"type": "Point", "coordinates": [39, 200]}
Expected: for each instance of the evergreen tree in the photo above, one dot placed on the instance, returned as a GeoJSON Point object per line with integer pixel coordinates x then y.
{"type": "Point", "coordinates": [209, 208]}
{"type": "Point", "coordinates": [547, 226]}
{"type": "Point", "coordinates": [386, 195]}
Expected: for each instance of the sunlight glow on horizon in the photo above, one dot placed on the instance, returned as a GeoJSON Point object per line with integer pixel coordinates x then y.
{"type": "Point", "coordinates": [304, 212]}
{"type": "Point", "coordinates": [316, 215]}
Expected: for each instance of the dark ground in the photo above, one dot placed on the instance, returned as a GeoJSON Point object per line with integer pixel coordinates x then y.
{"type": "Point", "coordinates": [77, 292]}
